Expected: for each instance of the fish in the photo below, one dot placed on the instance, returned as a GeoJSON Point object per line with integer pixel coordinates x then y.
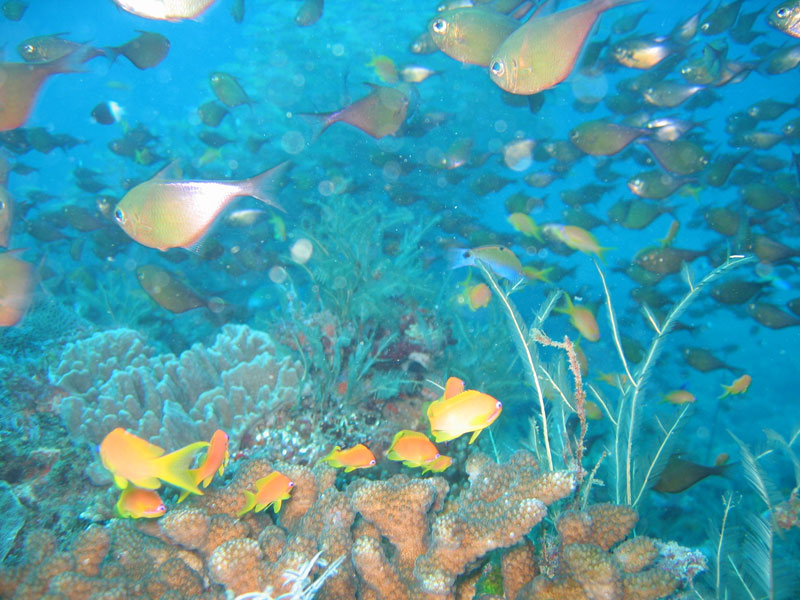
{"type": "Point", "coordinates": [644, 52]}
{"type": "Point", "coordinates": [384, 68]}
{"type": "Point", "coordinates": [136, 503]}
{"type": "Point", "coordinates": [437, 465]}
{"type": "Point", "coordinates": [228, 90]}
{"type": "Point", "coordinates": [703, 361]}
{"type": "Point", "coordinates": [165, 10]}
{"type": "Point", "coordinates": [271, 490]}
{"type": "Point", "coordinates": [525, 225]}
{"type": "Point", "coordinates": [681, 156]}
{"type": "Point", "coordinates": [680, 474]}
{"type": "Point", "coordinates": [145, 51]}
{"type": "Point", "coordinates": [20, 84]}
{"type": "Point", "coordinates": [107, 113]}
{"type": "Point", "coordinates": [461, 411]}
{"type": "Point", "coordinates": [678, 397]}
{"type": "Point", "coordinates": [656, 184]}
{"type": "Point", "coordinates": [416, 73]}
{"type": "Point", "coordinates": [786, 18]}
{"type": "Point", "coordinates": [498, 259]}
{"type": "Point", "coordinates": [581, 319]}
{"type": "Point", "coordinates": [380, 113]}
{"type": "Point", "coordinates": [771, 316]}
{"type": "Point", "coordinates": [471, 35]}
{"type": "Point", "coordinates": [666, 260]}
{"type": "Point", "coordinates": [670, 94]}
{"type": "Point", "coordinates": [475, 296]}
{"type": "Point", "coordinates": [721, 19]}
{"type": "Point", "coordinates": [576, 238]}
{"type": "Point", "coordinates": [237, 11]}
{"type": "Point", "coordinates": [525, 62]}
{"type": "Point", "coordinates": [309, 12]}
{"type": "Point", "coordinates": [739, 386]}
{"type": "Point", "coordinates": [357, 457]}
{"type": "Point", "coordinates": [135, 461]}
{"type": "Point", "coordinates": [602, 138]}
{"type": "Point", "coordinates": [14, 9]}
{"type": "Point", "coordinates": [162, 213]}
{"type": "Point", "coordinates": [413, 448]}
{"type": "Point", "coordinates": [16, 288]}
{"type": "Point", "coordinates": [45, 48]}
{"type": "Point", "coordinates": [736, 291]}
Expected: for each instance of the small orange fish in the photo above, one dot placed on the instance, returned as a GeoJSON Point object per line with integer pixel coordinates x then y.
{"type": "Point", "coordinates": [475, 296]}
{"type": "Point", "coordinates": [740, 386]}
{"type": "Point", "coordinates": [20, 83]}
{"type": "Point", "coordinates": [163, 214]}
{"type": "Point", "coordinates": [357, 457]}
{"type": "Point", "coordinates": [16, 287]}
{"type": "Point", "coordinates": [437, 465]}
{"type": "Point", "coordinates": [215, 461]}
{"type": "Point", "coordinates": [384, 68]}
{"type": "Point", "coordinates": [135, 461]}
{"type": "Point", "coordinates": [165, 10]}
{"type": "Point", "coordinates": [592, 411]}
{"type": "Point", "coordinates": [379, 113]}
{"type": "Point", "coordinates": [413, 448]}
{"type": "Point", "coordinates": [136, 503]}
{"type": "Point", "coordinates": [679, 397]}
{"type": "Point", "coordinates": [461, 411]}
{"type": "Point", "coordinates": [270, 491]}
{"type": "Point", "coordinates": [582, 319]}
{"type": "Point", "coordinates": [525, 225]}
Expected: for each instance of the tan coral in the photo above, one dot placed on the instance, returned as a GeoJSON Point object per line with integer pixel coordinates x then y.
{"type": "Point", "coordinates": [272, 541]}
{"type": "Point", "coordinates": [635, 554]}
{"type": "Point", "coordinates": [611, 523]}
{"type": "Point", "coordinates": [594, 570]}
{"type": "Point", "coordinates": [236, 564]}
{"type": "Point", "coordinates": [90, 548]}
{"type": "Point", "coordinates": [651, 584]}
{"type": "Point", "coordinates": [177, 577]}
{"type": "Point", "coordinates": [187, 527]}
{"type": "Point", "coordinates": [518, 568]}
{"type": "Point", "coordinates": [376, 571]}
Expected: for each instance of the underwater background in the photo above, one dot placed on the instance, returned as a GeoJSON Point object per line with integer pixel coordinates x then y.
{"type": "Point", "coordinates": [613, 259]}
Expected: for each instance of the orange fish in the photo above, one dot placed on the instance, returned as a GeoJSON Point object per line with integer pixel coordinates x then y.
{"type": "Point", "coordinates": [679, 397]}
{"type": "Point", "coordinates": [413, 448]}
{"type": "Point", "coordinates": [136, 503]}
{"type": "Point", "coordinates": [16, 287]}
{"type": "Point", "coordinates": [581, 319]}
{"type": "Point", "coordinates": [527, 61]}
{"type": "Point", "coordinates": [461, 411]}
{"type": "Point", "coordinates": [437, 465]}
{"type": "Point", "coordinates": [20, 82]}
{"type": "Point", "coordinates": [135, 461]}
{"type": "Point", "coordinates": [380, 113]}
{"type": "Point", "coordinates": [162, 213]}
{"type": "Point", "coordinates": [740, 386]}
{"type": "Point", "coordinates": [357, 457]}
{"type": "Point", "coordinates": [165, 10]}
{"type": "Point", "coordinates": [216, 460]}
{"type": "Point", "coordinates": [576, 238]}
{"type": "Point", "coordinates": [270, 491]}
{"type": "Point", "coordinates": [592, 411]}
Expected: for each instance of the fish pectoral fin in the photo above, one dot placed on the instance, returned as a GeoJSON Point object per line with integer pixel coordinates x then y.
{"type": "Point", "coordinates": [147, 483]}
{"type": "Point", "coordinates": [120, 482]}
{"type": "Point", "coordinates": [475, 435]}
{"type": "Point", "coordinates": [183, 496]}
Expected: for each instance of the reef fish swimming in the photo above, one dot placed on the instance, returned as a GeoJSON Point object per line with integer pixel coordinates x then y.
{"type": "Point", "coordinates": [163, 214]}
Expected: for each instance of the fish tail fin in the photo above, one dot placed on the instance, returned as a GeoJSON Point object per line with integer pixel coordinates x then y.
{"type": "Point", "coordinates": [111, 53]}
{"type": "Point", "coordinates": [183, 496]}
{"type": "Point", "coordinates": [456, 258]}
{"type": "Point", "coordinates": [264, 185]}
{"type": "Point", "coordinates": [727, 391]}
{"type": "Point", "coordinates": [327, 119]}
{"type": "Point", "coordinates": [173, 468]}
{"type": "Point", "coordinates": [249, 503]}
{"type": "Point", "coordinates": [329, 457]}
{"type": "Point", "coordinates": [602, 251]}
{"type": "Point", "coordinates": [603, 5]}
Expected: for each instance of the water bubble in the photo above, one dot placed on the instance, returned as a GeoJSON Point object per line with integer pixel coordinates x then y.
{"type": "Point", "coordinates": [278, 274]}
{"type": "Point", "coordinates": [301, 251]}
{"type": "Point", "coordinates": [293, 142]}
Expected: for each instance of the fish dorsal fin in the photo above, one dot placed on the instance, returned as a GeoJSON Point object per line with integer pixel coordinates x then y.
{"type": "Point", "coordinates": [169, 173]}
{"type": "Point", "coordinates": [453, 387]}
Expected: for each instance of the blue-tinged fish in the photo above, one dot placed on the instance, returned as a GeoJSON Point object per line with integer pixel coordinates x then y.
{"type": "Point", "coordinates": [499, 259]}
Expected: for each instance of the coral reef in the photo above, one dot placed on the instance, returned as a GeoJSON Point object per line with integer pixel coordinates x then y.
{"type": "Point", "coordinates": [117, 380]}
{"type": "Point", "coordinates": [402, 538]}
{"type": "Point", "coordinates": [593, 562]}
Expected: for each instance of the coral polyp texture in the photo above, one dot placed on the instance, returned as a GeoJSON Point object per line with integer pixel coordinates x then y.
{"type": "Point", "coordinates": [402, 538]}
{"type": "Point", "coordinates": [115, 379]}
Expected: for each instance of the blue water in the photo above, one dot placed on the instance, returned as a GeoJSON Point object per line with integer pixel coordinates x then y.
{"type": "Point", "coordinates": [355, 272]}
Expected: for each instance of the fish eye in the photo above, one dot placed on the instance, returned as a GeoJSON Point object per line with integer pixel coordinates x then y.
{"type": "Point", "coordinates": [782, 12]}
{"type": "Point", "coordinates": [705, 26]}
{"type": "Point", "coordinates": [497, 68]}
{"type": "Point", "coordinates": [28, 48]}
{"type": "Point", "coordinates": [437, 456]}
{"type": "Point", "coordinates": [161, 507]}
{"type": "Point", "coordinates": [439, 26]}
{"type": "Point", "coordinates": [119, 215]}
{"type": "Point", "coordinates": [291, 484]}
{"type": "Point", "coordinates": [498, 405]}
{"type": "Point", "coordinates": [372, 462]}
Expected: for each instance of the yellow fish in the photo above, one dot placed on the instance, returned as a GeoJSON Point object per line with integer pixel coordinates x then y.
{"type": "Point", "coordinates": [384, 68]}
{"type": "Point", "coordinates": [357, 457]}
{"type": "Point", "coordinates": [461, 411]}
{"type": "Point", "coordinates": [581, 319]}
{"type": "Point", "coordinates": [740, 386]}
{"type": "Point", "coordinates": [679, 397]}
{"type": "Point", "coordinates": [132, 460]}
{"type": "Point", "coordinates": [163, 214]}
{"type": "Point", "coordinates": [543, 51]}
{"type": "Point", "coordinates": [437, 465]}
